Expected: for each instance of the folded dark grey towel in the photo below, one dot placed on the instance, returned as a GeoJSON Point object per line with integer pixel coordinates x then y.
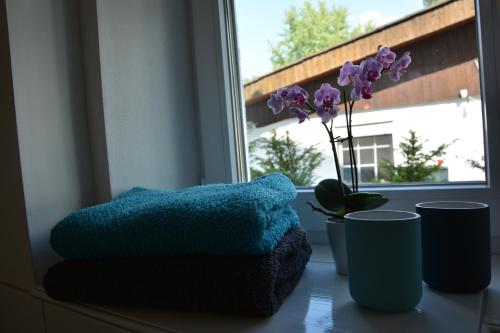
{"type": "Point", "coordinates": [252, 285]}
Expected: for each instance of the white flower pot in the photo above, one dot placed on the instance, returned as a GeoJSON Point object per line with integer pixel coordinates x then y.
{"type": "Point", "coordinates": [336, 237]}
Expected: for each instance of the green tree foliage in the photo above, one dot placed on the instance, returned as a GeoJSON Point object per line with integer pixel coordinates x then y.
{"type": "Point", "coordinates": [477, 164]}
{"type": "Point", "coordinates": [428, 3]}
{"type": "Point", "coordinates": [418, 166]}
{"type": "Point", "coordinates": [282, 154]}
{"type": "Point", "coordinates": [311, 29]}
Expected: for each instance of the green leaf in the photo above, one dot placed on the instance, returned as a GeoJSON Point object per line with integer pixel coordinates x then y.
{"type": "Point", "coordinates": [364, 201]}
{"type": "Point", "coordinates": [340, 212]}
{"type": "Point", "coordinates": [328, 194]}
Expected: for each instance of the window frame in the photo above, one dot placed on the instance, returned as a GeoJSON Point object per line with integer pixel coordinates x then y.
{"type": "Point", "coordinates": [357, 150]}
{"type": "Point", "coordinates": [216, 18]}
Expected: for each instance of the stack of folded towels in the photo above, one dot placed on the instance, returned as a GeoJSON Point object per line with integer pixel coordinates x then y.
{"type": "Point", "coordinates": [233, 248]}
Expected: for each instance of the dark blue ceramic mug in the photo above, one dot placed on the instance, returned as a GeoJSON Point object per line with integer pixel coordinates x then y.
{"type": "Point", "coordinates": [456, 245]}
{"type": "Point", "coordinates": [384, 259]}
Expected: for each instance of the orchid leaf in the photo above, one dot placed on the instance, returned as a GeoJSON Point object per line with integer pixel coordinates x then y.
{"type": "Point", "coordinates": [328, 194]}
{"type": "Point", "coordinates": [340, 212]}
{"type": "Point", "coordinates": [364, 201]}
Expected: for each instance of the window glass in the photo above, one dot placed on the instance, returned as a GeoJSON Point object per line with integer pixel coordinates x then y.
{"type": "Point", "coordinates": [436, 106]}
{"type": "Point", "coordinates": [383, 140]}
{"type": "Point", "coordinates": [367, 149]}
{"type": "Point", "coordinates": [367, 174]}
{"type": "Point", "coordinates": [366, 141]}
{"type": "Point", "coordinates": [346, 157]}
{"type": "Point", "coordinates": [385, 153]}
{"type": "Point", "coordinates": [366, 154]}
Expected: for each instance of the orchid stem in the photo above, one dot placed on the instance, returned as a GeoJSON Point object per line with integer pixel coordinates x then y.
{"type": "Point", "coordinates": [349, 142]}
{"type": "Point", "coordinates": [336, 158]}
{"type": "Point", "coordinates": [311, 107]}
{"type": "Point", "coordinates": [314, 208]}
{"type": "Point", "coordinates": [356, 178]}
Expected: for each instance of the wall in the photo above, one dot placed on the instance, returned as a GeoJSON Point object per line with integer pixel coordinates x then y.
{"type": "Point", "coordinates": [93, 98]}
{"type": "Point", "coordinates": [15, 256]}
{"type": "Point", "coordinates": [51, 123]}
{"type": "Point", "coordinates": [148, 95]}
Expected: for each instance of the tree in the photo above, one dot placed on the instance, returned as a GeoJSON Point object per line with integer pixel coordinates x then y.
{"type": "Point", "coordinates": [428, 3]}
{"type": "Point", "coordinates": [309, 30]}
{"type": "Point", "coordinates": [284, 155]}
{"type": "Point", "coordinates": [477, 164]}
{"type": "Point", "coordinates": [418, 166]}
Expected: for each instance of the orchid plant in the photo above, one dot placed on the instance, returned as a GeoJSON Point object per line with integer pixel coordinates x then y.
{"type": "Point", "coordinates": [335, 197]}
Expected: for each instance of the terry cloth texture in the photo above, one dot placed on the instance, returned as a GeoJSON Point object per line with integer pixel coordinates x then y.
{"type": "Point", "coordinates": [252, 285]}
{"type": "Point", "coordinates": [219, 219]}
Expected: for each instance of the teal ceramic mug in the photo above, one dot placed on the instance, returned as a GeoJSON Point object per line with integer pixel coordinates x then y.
{"type": "Point", "coordinates": [384, 258]}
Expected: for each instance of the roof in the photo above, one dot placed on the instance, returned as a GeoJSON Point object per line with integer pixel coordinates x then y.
{"type": "Point", "coordinates": [404, 31]}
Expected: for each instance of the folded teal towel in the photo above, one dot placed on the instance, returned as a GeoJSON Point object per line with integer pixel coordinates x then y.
{"type": "Point", "coordinates": [220, 219]}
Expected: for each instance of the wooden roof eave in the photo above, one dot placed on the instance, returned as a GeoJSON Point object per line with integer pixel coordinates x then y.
{"type": "Point", "coordinates": [399, 33]}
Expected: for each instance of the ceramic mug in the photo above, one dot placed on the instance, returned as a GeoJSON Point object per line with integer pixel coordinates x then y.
{"type": "Point", "coordinates": [384, 259]}
{"type": "Point", "coordinates": [456, 245]}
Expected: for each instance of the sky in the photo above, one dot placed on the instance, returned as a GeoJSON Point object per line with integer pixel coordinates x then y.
{"type": "Point", "coordinates": [261, 21]}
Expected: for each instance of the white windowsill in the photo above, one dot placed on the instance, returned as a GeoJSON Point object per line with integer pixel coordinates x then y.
{"type": "Point", "coordinates": [320, 303]}
{"type": "Point", "coordinates": [417, 187]}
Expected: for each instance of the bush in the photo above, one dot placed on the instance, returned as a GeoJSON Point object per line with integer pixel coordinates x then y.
{"type": "Point", "coordinates": [282, 154]}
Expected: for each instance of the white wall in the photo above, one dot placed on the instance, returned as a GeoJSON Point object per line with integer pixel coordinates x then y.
{"type": "Point", "coordinates": [148, 93]}
{"type": "Point", "coordinates": [51, 123]}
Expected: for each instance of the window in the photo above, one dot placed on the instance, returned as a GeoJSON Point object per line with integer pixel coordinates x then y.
{"type": "Point", "coordinates": [438, 98]}
{"type": "Point", "coordinates": [370, 152]}
{"type": "Point", "coordinates": [212, 19]}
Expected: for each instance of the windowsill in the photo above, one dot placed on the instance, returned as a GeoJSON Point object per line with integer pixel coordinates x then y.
{"type": "Point", "coordinates": [321, 302]}
{"type": "Point", "coordinates": [416, 187]}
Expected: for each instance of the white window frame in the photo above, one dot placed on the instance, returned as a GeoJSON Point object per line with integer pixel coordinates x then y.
{"type": "Point", "coordinates": [357, 149]}
{"type": "Point", "coordinates": [222, 118]}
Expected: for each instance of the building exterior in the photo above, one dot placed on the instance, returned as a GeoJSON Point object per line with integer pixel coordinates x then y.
{"type": "Point", "coordinates": [438, 97]}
